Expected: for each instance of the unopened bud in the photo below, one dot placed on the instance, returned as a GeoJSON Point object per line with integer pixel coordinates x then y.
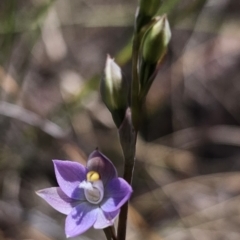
{"type": "Point", "coordinates": [154, 47]}
{"type": "Point", "coordinates": [114, 90]}
{"type": "Point", "coordinates": [156, 40]}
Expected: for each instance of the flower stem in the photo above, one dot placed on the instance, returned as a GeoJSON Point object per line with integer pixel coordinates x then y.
{"type": "Point", "coordinates": [110, 233]}
{"type": "Point", "coordinates": [135, 82]}
{"type": "Point", "coordinates": [128, 135]}
{"type": "Point", "coordinates": [122, 223]}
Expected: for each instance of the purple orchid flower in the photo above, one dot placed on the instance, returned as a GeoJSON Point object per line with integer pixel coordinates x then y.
{"type": "Point", "coordinates": [89, 196]}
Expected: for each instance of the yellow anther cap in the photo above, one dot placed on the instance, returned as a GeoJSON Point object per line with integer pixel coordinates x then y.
{"type": "Point", "coordinates": [93, 176]}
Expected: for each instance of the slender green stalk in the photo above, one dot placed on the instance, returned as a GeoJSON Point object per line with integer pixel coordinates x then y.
{"type": "Point", "coordinates": [127, 136]}
{"type": "Point", "coordinates": [130, 126]}
{"type": "Point", "coordinates": [135, 82]}
{"type": "Point", "coordinates": [110, 233]}
{"type": "Point", "coordinates": [128, 174]}
{"type": "Point", "coordinates": [122, 224]}
{"type": "Point", "coordinates": [129, 143]}
{"type": "Point", "coordinates": [150, 39]}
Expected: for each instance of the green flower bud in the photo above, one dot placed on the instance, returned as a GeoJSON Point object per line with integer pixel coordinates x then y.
{"type": "Point", "coordinates": [156, 40]}
{"type": "Point", "coordinates": [154, 47]}
{"type": "Point", "coordinates": [114, 90]}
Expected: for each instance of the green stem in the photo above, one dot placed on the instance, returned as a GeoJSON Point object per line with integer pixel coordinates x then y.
{"type": "Point", "coordinates": [129, 144]}
{"type": "Point", "coordinates": [128, 173]}
{"type": "Point", "coordinates": [135, 82]}
{"type": "Point", "coordinates": [128, 131]}
{"type": "Point", "coordinates": [110, 233]}
{"type": "Point", "coordinates": [127, 137]}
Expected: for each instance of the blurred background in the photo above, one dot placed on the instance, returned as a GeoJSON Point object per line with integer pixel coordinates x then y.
{"type": "Point", "coordinates": [186, 180]}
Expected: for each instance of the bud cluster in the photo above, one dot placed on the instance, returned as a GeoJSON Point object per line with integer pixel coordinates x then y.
{"type": "Point", "coordinates": [150, 42]}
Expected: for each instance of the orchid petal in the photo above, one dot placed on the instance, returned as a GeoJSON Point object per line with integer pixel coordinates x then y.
{"type": "Point", "coordinates": [69, 175]}
{"type": "Point", "coordinates": [105, 219]}
{"type": "Point", "coordinates": [101, 164]}
{"type": "Point", "coordinates": [58, 199]}
{"type": "Point", "coordinates": [80, 219]}
{"type": "Point", "coordinates": [117, 192]}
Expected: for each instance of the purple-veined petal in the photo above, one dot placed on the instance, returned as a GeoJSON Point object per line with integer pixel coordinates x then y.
{"type": "Point", "coordinates": [80, 219]}
{"type": "Point", "coordinates": [69, 175]}
{"type": "Point", "coordinates": [58, 199]}
{"type": "Point", "coordinates": [117, 192]}
{"type": "Point", "coordinates": [101, 164]}
{"type": "Point", "coordinates": [105, 219]}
